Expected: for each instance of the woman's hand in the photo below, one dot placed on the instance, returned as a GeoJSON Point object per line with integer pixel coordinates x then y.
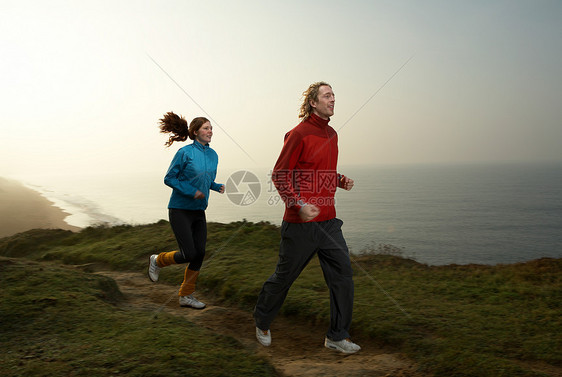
{"type": "Point", "coordinates": [199, 195]}
{"type": "Point", "coordinates": [221, 191]}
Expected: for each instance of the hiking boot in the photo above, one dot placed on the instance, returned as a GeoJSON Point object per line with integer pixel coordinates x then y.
{"type": "Point", "coordinates": [153, 269]}
{"type": "Point", "coordinates": [345, 345]}
{"type": "Point", "coordinates": [191, 302]}
{"type": "Point", "coordinates": [264, 337]}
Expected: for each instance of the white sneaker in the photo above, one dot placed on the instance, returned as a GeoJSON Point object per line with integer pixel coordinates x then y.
{"type": "Point", "coordinates": [345, 345]}
{"type": "Point", "coordinates": [191, 302]}
{"type": "Point", "coordinates": [153, 269]}
{"type": "Point", "coordinates": [264, 337]}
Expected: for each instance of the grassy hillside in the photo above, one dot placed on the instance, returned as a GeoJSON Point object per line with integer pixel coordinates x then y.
{"type": "Point", "coordinates": [471, 320]}
{"type": "Point", "coordinates": [57, 321]}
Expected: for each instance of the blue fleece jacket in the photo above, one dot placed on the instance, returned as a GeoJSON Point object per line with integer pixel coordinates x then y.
{"type": "Point", "coordinates": [193, 168]}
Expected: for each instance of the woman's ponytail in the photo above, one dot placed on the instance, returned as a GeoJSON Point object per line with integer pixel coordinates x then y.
{"type": "Point", "coordinates": [176, 126]}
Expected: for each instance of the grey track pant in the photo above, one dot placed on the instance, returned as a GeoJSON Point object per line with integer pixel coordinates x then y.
{"type": "Point", "coordinates": [299, 243]}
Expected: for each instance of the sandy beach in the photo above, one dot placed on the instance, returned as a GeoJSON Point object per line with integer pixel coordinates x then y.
{"type": "Point", "coordinates": [23, 209]}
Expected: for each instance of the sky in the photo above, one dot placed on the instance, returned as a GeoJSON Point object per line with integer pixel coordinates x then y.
{"type": "Point", "coordinates": [84, 83]}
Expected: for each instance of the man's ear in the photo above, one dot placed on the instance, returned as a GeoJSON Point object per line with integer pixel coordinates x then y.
{"type": "Point", "coordinates": [312, 103]}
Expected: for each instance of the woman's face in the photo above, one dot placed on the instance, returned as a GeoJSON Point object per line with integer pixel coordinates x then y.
{"type": "Point", "coordinates": [205, 133]}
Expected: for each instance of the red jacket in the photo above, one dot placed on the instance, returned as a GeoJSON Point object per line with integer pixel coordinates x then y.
{"type": "Point", "coordinates": [305, 171]}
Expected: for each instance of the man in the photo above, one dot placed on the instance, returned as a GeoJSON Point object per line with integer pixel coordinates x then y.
{"type": "Point", "coordinates": [306, 178]}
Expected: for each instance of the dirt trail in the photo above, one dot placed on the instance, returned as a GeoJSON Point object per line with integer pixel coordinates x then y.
{"type": "Point", "coordinates": [296, 350]}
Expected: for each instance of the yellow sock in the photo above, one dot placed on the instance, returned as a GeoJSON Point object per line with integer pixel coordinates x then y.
{"type": "Point", "coordinates": [166, 258]}
{"type": "Point", "coordinates": [188, 285]}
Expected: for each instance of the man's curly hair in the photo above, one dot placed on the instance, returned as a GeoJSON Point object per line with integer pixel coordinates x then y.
{"type": "Point", "coordinates": [311, 94]}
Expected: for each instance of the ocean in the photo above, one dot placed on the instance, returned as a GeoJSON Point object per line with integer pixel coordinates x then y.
{"type": "Point", "coordinates": [435, 214]}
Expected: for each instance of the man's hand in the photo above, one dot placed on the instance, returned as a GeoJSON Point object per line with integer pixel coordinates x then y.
{"type": "Point", "coordinates": [347, 183]}
{"type": "Point", "coordinates": [221, 191]}
{"type": "Point", "coordinates": [309, 212]}
{"type": "Point", "coordinates": [199, 195]}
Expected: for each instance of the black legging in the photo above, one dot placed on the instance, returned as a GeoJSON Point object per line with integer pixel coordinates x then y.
{"type": "Point", "coordinates": [190, 229]}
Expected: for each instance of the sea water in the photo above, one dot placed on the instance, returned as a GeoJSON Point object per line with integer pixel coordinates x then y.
{"type": "Point", "coordinates": [435, 214]}
{"type": "Point", "coordinates": [486, 214]}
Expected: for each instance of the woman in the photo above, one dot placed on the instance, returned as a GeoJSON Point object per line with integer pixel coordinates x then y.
{"type": "Point", "coordinates": [191, 175]}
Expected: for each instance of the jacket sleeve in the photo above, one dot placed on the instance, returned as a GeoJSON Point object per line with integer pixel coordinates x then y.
{"type": "Point", "coordinates": [282, 175]}
{"type": "Point", "coordinates": [172, 178]}
{"type": "Point", "coordinates": [215, 186]}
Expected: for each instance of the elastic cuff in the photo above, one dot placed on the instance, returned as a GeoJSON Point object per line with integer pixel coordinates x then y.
{"type": "Point", "coordinates": [300, 204]}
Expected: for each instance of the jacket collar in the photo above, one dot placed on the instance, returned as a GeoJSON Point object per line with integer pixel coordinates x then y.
{"type": "Point", "coordinates": [200, 146]}
{"type": "Point", "coordinates": [317, 121]}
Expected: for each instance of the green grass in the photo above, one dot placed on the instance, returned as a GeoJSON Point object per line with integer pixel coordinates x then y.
{"type": "Point", "coordinates": [468, 320]}
{"type": "Point", "coordinates": [453, 320]}
{"type": "Point", "coordinates": [57, 321]}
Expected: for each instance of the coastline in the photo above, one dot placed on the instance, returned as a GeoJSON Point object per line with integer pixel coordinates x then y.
{"type": "Point", "coordinates": [22, 209]}
{"type": "Point", "coordinates": [438, 215]}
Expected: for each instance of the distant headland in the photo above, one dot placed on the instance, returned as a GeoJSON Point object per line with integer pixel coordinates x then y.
{"type": "Point", "coordinates": [22, 209]}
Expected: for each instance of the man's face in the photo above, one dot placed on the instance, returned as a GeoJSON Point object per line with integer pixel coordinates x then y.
{"type": "Point", "coordinates": [324, 105]}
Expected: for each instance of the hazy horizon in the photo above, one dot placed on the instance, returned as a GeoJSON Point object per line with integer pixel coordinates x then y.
{"type": "Point", "coordinates": [84, 84]}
